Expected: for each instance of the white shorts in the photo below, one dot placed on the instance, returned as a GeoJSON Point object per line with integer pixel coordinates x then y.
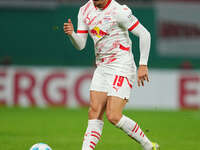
{"type": "Point", "coordinates": [112, 84]}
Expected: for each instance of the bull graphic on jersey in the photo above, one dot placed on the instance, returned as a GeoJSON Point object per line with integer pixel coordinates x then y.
{"type": "Point", "coordinates": [98, 32]}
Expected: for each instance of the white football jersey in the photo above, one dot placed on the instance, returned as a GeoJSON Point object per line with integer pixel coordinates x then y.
{"type": "Point", "coordinates": [109, 27]}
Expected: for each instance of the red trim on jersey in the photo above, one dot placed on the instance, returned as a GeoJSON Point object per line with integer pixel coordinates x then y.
{"type": "Point", "coordinates": [92, 20]}
{"type": "Point", "coordinates": [82, 31]}
{"type": "Point", "coordinates": [174, 1]}
{"type": "Point", "coordinates": [87, 6]}
{"type": "Point", "coordinates": [133, 27]}
{"type": "Point", "coordinates": [108, 3]}
{"type": "Point", "coordinates": [124, 48]}
{"type": "Point", "coordinates": [111, 60]}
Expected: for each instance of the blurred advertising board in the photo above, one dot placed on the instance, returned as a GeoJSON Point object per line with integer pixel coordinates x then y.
{"type": "Point", "coordinates": [178, 28]}
{"type": "Point", "coordinates": [69, 87]}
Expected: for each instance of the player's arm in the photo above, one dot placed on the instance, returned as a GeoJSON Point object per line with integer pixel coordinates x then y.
{"type": "Point", "coordinates": [131, 23]}
{"type": "Point", "coordinates": [145, 42]}
{"type": "Point", "coordinates": [78, 39]}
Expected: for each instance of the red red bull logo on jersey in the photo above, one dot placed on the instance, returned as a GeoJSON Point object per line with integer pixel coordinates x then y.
{"type": "Point", "coordinates": [98, 32]}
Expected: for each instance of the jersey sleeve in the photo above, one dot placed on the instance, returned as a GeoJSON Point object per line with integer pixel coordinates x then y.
{"type": "Point", "coordinates": [126, 19]}
{"type": "Point", "coordinates": [82, 27]}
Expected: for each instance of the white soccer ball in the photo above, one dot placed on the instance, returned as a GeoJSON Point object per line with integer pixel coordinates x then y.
{"type": "Point", "coordinates": [40, 146]}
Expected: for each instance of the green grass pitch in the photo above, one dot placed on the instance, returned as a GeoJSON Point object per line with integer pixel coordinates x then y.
{"type": "Point", "coordinates": [63, 129]}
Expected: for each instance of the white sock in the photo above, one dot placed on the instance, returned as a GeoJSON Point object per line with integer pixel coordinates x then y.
{"type": "Point", "coordinates": [92, 134]}
{"type": "Point", "coordinates": [133, 130]}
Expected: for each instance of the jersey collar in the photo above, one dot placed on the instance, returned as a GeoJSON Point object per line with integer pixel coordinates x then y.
{"type": "Point", "coordinates": [108, 3]}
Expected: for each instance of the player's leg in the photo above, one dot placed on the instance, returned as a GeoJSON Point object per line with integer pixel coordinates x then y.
{"type": "Point", "coordinates": [98, 97]}
{"type": "Point", "coordinates": [95, 122]}
{"type": "Point", "coordinates": [114, 114]}
{"type": "Point", "coordinates": [97, 105]}
{"type": "Point", "coordinates": [118, 94]}
{"type": "Point", "coordinates": [114, 109]}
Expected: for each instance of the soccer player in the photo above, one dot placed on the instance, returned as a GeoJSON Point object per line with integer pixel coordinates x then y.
{"type": "Point", "coordinates": [108, 24]}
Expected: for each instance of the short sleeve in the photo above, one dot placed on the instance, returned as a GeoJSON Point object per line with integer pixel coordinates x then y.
{"type": "Point", "coordinates": [82, 27]}
{"type": "Point", "coordinates": [126, 19]}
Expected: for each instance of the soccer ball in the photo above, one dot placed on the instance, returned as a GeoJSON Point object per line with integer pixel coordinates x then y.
{"type": "Point", "coordinates": [40, 146]}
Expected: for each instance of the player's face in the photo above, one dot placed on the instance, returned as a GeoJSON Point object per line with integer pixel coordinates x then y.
{"type": "Point", "coordinates": [99, 3]}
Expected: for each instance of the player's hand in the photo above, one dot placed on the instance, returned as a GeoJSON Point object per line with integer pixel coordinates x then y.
{"type": "Point", "coordinates": [68, 27]}
{"type": "Point", "coordinates": [142, 74]}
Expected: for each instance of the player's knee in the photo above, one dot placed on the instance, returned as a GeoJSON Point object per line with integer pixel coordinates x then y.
{"type": "Point", "coordinates": [113, 117]}
{"type": "Point", "coordinates": [94, 113]}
